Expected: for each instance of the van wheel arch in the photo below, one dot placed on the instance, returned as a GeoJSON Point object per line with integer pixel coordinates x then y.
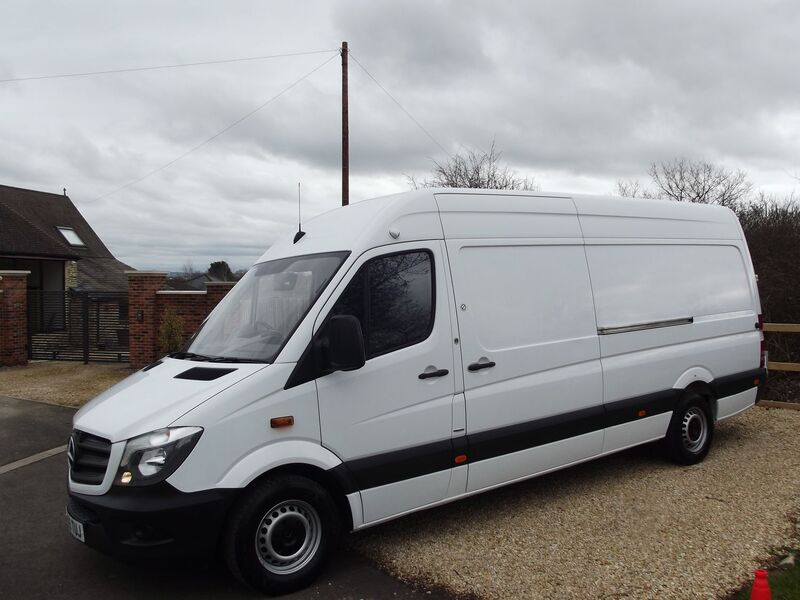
{"type": "Point", "coordinates": [320, 476]}
{"type": "Point", "coordinates": [707, 392]}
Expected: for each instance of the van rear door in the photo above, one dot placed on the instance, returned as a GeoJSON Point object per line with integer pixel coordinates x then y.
{"type": "Point", "coordinates": [529, 344]}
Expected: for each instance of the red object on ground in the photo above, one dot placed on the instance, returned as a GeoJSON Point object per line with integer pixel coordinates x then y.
{"type": "Point", "coordinates": [761, 587]}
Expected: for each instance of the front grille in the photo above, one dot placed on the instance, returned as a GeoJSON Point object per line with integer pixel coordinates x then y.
{"type": "Point", "coordinates": [88, 457]}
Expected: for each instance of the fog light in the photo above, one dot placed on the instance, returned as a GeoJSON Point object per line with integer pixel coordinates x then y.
{"type": "Point", "coordinates": [126, 477]}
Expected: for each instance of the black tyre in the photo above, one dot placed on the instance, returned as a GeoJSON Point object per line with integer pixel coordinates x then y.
{"type": "Point", "coordinates": [281, 534]}
{"type": "Point", "coordinates": [690, 430]}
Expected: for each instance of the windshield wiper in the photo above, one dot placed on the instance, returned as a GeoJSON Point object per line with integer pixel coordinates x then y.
{"type": "Point", "coordinates": [233, 359]}
{"type": "Point", "coordinates": [191, 356]}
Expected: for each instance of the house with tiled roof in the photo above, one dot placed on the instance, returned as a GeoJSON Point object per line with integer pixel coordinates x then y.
{"type": "Point", "coordinates": [45, 234]}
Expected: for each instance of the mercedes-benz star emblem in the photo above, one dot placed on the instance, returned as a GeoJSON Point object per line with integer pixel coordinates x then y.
{"type": "Point", "coordinates": [71, 450]}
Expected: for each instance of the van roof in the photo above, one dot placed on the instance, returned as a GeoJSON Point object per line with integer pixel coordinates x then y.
{"type": "Point", "coordinates": [415, 215]}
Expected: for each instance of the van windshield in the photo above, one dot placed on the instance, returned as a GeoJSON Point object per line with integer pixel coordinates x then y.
{"type": "Point", "coordinates": [256, 318]}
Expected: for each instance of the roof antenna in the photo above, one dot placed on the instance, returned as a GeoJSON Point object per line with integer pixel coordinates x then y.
{"type": "Point", "coordinates": [65, 191]}
{"type": "Point", "coordinates": [300, 233]}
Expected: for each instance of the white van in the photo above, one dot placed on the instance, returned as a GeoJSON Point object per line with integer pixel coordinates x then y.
{"type": "Point", "coordinates": [412, 350]}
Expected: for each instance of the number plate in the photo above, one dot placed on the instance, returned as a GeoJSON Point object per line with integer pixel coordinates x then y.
{"type": "Point", "coordinates": [76, 529]}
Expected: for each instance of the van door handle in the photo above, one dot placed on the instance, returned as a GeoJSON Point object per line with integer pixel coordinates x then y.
{"type": "Point", "coordinates": [430, 374]}
{"type": "Point", "coordinates": [477, 366]}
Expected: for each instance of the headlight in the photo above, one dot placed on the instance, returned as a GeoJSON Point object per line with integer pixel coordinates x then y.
{"type": "Point", "coordinates": [154, 456]}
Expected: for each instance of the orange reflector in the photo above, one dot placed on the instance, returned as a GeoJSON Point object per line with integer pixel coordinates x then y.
{"type": "Point", "coordinates": [642, 413]}
{"type": "Point", "coordinates": [756, 381]}
{"type": "Point", "coordinates": [277, 422]}
{"type": "Point", "coordinates": [461, 459]}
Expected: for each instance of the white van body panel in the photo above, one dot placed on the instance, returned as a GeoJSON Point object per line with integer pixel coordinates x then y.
{"type": "Point", "coordinates": [731, 406]}
{"type": "Point", "coordinates": [626, 218]}
{"type": "Point", "coordinates": [238, 443]}
{"type": "Point", "coordinates": [150, 400]}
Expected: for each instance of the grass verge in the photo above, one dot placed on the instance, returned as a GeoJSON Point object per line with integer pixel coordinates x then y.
{"type": "Point", "coordinates": [784, 585]}
{"type": "Point", "coordinates": [60, 382]}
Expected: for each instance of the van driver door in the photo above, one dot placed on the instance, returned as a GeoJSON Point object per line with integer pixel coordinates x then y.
{"type": "Point", "coordinates": [390, 421]}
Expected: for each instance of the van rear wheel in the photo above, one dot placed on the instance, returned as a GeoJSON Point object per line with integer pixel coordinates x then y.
{"type": "Point", "coordinates": [281, 534]}
{"type": "Point", "coordinates": [690, 430]}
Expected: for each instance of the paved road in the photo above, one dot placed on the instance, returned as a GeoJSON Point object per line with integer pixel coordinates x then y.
{"type": "Point", "coordinates": [38, 558]}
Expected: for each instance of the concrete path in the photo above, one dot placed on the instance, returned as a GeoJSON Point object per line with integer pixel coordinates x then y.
{"type": "Point", "coordinates": [40, 560]}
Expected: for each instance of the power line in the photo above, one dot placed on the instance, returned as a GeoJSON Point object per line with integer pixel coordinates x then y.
{"type": "Point", "coordinates": [393, 99]}
{"type": "Point", "coordinates": [157, 67]}
{"type": "Point", "coordinates": [219, 133]}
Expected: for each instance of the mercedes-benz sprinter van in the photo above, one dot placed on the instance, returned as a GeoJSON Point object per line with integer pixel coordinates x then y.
{"type": "Point", "coordinates": [412, 350]}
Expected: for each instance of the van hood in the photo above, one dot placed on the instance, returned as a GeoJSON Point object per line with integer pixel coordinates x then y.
{"type": "Point", "coordinates": [154, 398]}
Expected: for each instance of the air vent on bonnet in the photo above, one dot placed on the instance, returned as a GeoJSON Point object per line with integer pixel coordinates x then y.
{"type": "Point", "coordinates": [203, 373]}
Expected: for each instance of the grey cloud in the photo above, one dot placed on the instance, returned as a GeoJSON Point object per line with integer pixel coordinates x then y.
{"type": "Point", "coordinates": [574, 91]}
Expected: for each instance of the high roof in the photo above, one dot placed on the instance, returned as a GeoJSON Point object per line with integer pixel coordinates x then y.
{"type": "Point", "coordinates": [430, 213]}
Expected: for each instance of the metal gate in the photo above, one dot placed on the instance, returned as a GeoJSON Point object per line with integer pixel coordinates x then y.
{"type": "Point", "coordinates": [87, 326]}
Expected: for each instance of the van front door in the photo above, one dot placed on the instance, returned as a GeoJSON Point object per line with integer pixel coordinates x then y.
{"type": "Point", "coordinates": [390, 421]}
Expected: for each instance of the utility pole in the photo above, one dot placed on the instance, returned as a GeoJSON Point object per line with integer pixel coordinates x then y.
{"type": "Point", "coordinates": [345, 132]}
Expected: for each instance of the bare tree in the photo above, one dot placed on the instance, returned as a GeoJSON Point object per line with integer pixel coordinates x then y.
{"type": "Point", "coordinates": [188, 269]}
{"type": "Point", "coordinates": [474, 169]}
{"type": "Point", "coordinates": [700, 181]}
{"type": "Point", "coordinates": [632, 188]}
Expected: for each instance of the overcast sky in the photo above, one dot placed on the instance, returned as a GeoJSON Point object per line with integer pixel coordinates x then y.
{"type": "Point", "coordinates": [576, 94]}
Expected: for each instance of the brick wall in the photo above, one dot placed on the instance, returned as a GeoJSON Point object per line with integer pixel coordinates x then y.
{"type": "Point", "coordinates": [13, 318]}
{"type": "Point", "coordinates": [148, 300]}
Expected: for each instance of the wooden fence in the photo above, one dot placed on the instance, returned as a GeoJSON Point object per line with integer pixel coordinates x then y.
{"type": "Point", "coordinates": [782, 328]}
{"type": "Point", "coordinates": [781, 366]}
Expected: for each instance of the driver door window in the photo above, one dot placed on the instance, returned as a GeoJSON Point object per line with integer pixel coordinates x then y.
{"type": "Point", "coordinates": [393, 298]}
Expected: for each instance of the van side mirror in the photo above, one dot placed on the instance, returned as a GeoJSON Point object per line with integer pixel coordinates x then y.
{"type": "Point", "coordinates": [340, 345]}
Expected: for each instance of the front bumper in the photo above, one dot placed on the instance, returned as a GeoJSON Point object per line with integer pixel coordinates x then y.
{"type": "Point", "coordinates": [152, 521]}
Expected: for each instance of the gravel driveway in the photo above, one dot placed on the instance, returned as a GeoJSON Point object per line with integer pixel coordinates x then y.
{"type": "Point", "coordinates": [628, 526]}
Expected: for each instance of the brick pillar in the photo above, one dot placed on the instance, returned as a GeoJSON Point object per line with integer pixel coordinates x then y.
{"type": "Point", "coordinates": [14, 318]}
{"type": "Point", "coordinates": [142, 317]}
{"type": "Point", "coordinates": [216, 291]}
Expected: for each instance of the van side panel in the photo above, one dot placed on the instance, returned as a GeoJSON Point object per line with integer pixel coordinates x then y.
{"type": "Point", "coordinates": [665, 308]}
{"type": "Point", "coordinates": [637, 283]}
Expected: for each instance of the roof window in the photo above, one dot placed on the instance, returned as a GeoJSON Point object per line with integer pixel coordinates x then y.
{"type": "Point", "coordinates": [73, 239]}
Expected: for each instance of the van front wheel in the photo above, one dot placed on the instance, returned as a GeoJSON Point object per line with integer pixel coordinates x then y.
{"type": "Point", "coordinates": [690, 430]}
{"type": "Point", "coordinates": [281, 534]}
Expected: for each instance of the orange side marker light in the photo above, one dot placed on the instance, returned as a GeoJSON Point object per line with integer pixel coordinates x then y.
{"type": "Point", "coordinates": [460, 459]}
{"type": "Point", "coordinates": [642, 413]}
{"type": "Point", "coordinates": [277, 422]}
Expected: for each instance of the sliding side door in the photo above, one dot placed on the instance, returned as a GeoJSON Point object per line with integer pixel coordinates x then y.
{"type": "Point", "coordinates": [529, 346]}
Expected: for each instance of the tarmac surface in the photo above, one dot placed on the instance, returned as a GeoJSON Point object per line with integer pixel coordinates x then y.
{"type": "Point", "coordinates": [39, 558]}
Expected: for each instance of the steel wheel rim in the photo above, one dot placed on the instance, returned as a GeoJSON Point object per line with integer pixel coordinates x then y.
{"type": "Point", "coordinates": [288, 536]}
{"type": "Point", "coordinates": [694, 429]}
